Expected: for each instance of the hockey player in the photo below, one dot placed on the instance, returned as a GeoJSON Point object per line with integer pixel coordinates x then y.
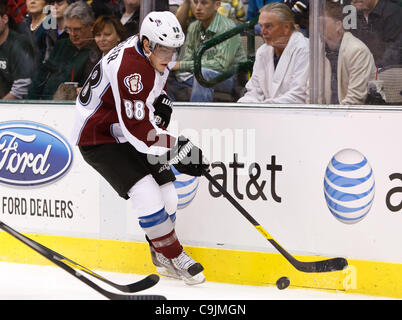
{"type": "Point", "coordinates": [121, 120]}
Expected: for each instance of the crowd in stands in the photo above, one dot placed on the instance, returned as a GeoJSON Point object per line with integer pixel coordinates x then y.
{"type": "Point", "coordinates": [49, 47]}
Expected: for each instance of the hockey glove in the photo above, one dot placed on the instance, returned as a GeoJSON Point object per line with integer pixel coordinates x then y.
{"type": "Point", "coordinates": [186, 158]}
{"type": "Point", "coordinates": [163, 111]}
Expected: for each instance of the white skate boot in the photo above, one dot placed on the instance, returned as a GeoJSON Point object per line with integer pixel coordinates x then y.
{"type": "Point", "coordinates": [189, 269]}
{"type": "Point", "coordinates": [182, 267]}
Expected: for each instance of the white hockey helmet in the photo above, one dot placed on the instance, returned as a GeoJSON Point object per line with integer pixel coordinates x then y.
{"type": "Point", "coordinates": [163, 28]}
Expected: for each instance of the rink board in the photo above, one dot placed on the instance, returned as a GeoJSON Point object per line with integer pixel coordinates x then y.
{"type": "Point", "coordinates": [273, 161]}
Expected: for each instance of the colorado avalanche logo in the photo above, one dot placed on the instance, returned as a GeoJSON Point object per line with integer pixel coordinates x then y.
{"type": "Point", "coordinates": [133, 83]}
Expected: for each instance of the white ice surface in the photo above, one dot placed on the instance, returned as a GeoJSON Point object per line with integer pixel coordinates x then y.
{"type": "Point", "coordinates": [30, 282]}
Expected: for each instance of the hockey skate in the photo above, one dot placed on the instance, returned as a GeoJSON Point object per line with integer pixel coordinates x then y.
{"type": "Point", "coordinates": [182, 267]}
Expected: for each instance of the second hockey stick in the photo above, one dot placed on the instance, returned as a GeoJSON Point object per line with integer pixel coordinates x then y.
{"type": "Point", "coordinates": [73, 267]}
{"type": "Point", "coordinates": [333, 264]}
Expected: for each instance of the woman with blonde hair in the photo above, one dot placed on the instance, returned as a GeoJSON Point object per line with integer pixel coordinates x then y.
{"type": "Point", "coordinates": [108, 32]}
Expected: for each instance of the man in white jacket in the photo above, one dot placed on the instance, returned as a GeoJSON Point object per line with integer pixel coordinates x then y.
{"type": "Point", "coordinates": [281, 67]}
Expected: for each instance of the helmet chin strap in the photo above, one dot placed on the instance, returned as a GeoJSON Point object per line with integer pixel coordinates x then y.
{"type": "Point", "coordinates": [147, 55]}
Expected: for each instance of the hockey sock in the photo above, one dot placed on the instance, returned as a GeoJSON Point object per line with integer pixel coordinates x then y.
{"type": "Point", "coordinates": [168, 245]}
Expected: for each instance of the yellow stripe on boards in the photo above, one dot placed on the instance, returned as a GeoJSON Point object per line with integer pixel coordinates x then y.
{"type": "Point", "coordinates": [221, 265]}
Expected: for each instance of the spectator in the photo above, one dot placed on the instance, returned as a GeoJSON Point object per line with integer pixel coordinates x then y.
{"type": "Point", "coordinates": [71, 58]}
{"type": "Point", "coordinates": [280, 71]}
{"type": "Point", "coordinates": [16, 59]}
{"type": "Point", "coordinates": [108, 32]}
{"type": "Point", "coordinates": [379, 26]}
{"type": "Point", "coordinates": [59, 31]}
{"type": "Point", "coordinates": [214, 61]}
{"type": "Point", "coordinates": [37, 27]}
{"type": "Point", "coordinates": [131, 16]}
{"type": "Point", "coordinates": [232, 9]}
{"type": "Point", "coordinates": [349, 65]}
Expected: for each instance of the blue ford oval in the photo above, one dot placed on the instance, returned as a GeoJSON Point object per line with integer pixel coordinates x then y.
{"type": "Point", "coordinates": [32, 154]}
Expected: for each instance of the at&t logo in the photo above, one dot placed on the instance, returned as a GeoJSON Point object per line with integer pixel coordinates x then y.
{"type": "Point", "coordinates": [349, 186]}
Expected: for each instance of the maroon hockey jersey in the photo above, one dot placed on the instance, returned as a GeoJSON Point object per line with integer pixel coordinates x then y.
{"type": "Point", "coordinates": [115, 104]}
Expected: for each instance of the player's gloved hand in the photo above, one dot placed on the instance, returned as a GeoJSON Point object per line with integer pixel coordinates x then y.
{"type": "Point", "coordinates": [163, 111]}
{"type": "Point", "coordinates": [186, 158]}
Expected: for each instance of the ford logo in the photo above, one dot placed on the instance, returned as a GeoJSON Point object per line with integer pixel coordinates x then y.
{"type": "Point", "coordinates": [32, 154]}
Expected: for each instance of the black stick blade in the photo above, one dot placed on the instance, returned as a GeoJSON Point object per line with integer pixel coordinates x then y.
{"type": "Point", "coordinates": [143, 284]}
{"type": "Point", "coordinates": [330, 265]}
{"type": "Point", "coordinates": [72, 268]}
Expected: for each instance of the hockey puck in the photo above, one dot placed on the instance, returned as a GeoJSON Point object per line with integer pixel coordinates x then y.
{"type": "Point", "coordinates": [282, 283]}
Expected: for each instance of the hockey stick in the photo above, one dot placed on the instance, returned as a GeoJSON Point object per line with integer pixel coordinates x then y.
{"type": "Point", "coordinates": [73, 267]}
{"type": "Point", "coordinates": [333, 264]}
{"type": "Point", "coordinates": [140, 285]}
